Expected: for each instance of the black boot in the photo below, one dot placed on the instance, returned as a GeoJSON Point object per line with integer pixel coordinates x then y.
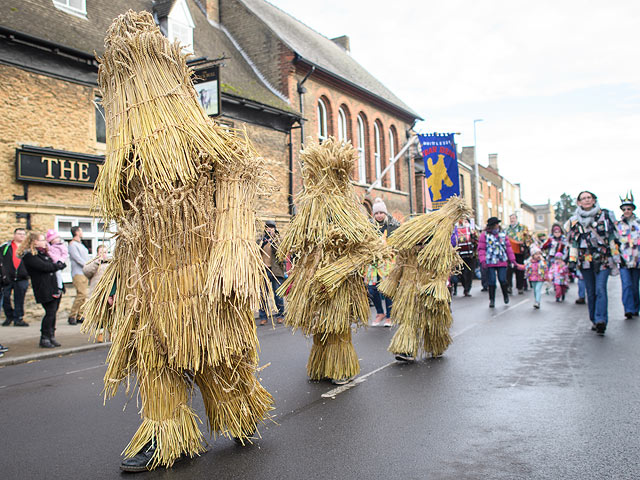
{"type": "Point", "coordinates": [140, 461]}
{"type": "Point", "coordinates": [45, 343]}
{"type": "Point", "coordinates": [505, 292]}
{"type": "Point", "coordinates": [492, 296]}
{"type": "Point", "coordinates": [54, 342]}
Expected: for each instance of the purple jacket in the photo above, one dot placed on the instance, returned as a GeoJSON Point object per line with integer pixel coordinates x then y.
{"type": "Point", "coordinates": [482, 252]}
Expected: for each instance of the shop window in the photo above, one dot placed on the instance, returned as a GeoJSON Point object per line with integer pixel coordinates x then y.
{"type": "Point", "coordinates": [377, 153]}
{"type": "Point", "coordinates": [362, 152]}
{"type": "Point", "coordinates": [72, 6]}
{"type": "Point", "coordinates": [94, 234]}
{"type": "Point", "coordinates": [101, 128]}
{"type": "Point", "coordinates": [392, 154]}
{"type": "Point", "coordinates": [180, 26]}
{"type": "Point", "coordinates": [342, 125]}
{"type": "Point", "coordinates": [322, 120]}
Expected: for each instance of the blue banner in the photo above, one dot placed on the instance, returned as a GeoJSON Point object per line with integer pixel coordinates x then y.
{"type": "Point", "coordinates": [440, 167]}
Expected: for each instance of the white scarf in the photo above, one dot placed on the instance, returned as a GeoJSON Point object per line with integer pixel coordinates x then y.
{"type": "Point", "coordinates": [587, 217]}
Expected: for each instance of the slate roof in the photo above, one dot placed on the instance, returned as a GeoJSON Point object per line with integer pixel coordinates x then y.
{"type": "Point", "coordinates": [40, 19]}
{"type": "Point", "coordinates": [321, 51]}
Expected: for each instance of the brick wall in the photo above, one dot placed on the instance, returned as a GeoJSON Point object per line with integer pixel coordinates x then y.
{"type": "Point", "coordinates": [47, 112]}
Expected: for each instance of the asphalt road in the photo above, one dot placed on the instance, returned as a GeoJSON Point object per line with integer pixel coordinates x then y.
{"type": "Point", "coordinates": [520, 394]}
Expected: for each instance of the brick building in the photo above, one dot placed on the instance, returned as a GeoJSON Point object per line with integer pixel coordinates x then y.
{"type": "Point", "coordinates": [279, 79]}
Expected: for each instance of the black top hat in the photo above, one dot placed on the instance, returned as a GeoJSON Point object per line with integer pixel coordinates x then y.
{"type": "Point", "coordinates": [493, 221]}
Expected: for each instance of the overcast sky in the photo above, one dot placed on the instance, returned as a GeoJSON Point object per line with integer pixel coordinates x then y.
{"type": "Point", "coordinates": [557, 83]}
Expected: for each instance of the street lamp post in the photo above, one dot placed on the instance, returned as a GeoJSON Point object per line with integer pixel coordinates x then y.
{"type": "Point", "coordinates": [476, 175]}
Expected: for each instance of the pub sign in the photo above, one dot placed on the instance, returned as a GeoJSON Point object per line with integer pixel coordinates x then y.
{"type": "Point", "coordinates": [46, 165]}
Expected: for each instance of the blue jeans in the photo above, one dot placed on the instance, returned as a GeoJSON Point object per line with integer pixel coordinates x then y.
{"type": "Point", "coordinates": [376, 297]}
{"type": "Point", "coordinates": [581, 288]}
{"type": "Point", "coordinates": [596, 285]}
{"type": "Point", "coordinates": [16, 312]}
{"type": "Point", "coordinates": [275, 284]}
{"type": "Point", "coordinates": [630, 278]}
{"type": "Point", "coordinates": [537, 290]}
{"type": "Point", "coordinates": [491, 275]}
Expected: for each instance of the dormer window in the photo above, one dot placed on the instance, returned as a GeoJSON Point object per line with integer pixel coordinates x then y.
{"type": "Point", "coordinates": [75, 7]}
{"type": "Point", "coordinates": [180, 25]}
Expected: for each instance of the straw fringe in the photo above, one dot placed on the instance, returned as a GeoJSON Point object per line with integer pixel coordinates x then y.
{"type": "Point", "coordinates": [332, 356]}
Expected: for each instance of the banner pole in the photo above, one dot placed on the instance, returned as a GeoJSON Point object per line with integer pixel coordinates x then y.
{"type": "Point", "coordinates": [393, 161]}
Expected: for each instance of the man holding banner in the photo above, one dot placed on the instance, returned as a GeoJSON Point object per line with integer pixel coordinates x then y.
{"type": "Point", "coordinates": [440, 167]}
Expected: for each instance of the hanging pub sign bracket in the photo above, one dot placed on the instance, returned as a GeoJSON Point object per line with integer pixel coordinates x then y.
{"type": "Point", "coordinates": [207, 84]}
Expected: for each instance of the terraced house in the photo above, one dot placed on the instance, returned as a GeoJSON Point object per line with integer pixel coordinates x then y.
{"type": "Point", "coordinates": [276, 77]}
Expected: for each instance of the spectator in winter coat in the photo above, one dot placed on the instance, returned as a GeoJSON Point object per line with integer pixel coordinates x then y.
{"type": "Point", "coordinates": [467, 242]}
{"type": "Point", "coordinates": [79, 256]}
{"type": "Point", "coordinates": [42, 271]}
{"type": "Point", "coordinates": [275, 269]}
{"type": "Point", "coordinates": [520, 240]}
{"type": "Point", "coordinates": [559, 275]}
{"type": "Point", "coordinates": [386, 225]}
{"type": "Point", "coordinates": [58, 252]}
{"type": "Point", "coordinates": [14, 278]}
{"type": "Point", "coordinates": [629, 234]}
{"type": "Point", "coordinates": [495, 254]}
{"type": "Point", "coordinates": [594, 250]}
{"type": "Point", "coordinates": [557, 242]}
{"type": "Point", "coordinates": [535, 272]}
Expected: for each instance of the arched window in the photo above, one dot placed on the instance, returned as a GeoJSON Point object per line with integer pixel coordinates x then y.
{"type": "Point", "coordinates": [322, 120]}
{"type": "Point", "coordinates": [342, 125]}
{"type": "Point", "coordinates": [377, 153]}
{"type": "Point", "coordinates": [362, 152]}
{"type": "Point", "coordinates": [392, 154]}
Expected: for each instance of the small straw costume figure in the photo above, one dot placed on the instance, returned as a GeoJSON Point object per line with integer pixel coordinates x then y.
{"type": "Point", "coordinates": [332, 241]}
{"type": "Point", "coordinates": [186, 275]}
{"type": "Point", "coordinates": [418, 282]}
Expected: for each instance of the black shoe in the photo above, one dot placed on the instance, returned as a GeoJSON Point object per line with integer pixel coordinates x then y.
{"type": "Point", "coordinates": [45, 343]}
{"type": "Point", "coordinates": [6, 323]}
{"type": "Point", "coordinates": [140, 461]}
{"type": "Point", "coordinates": [20, 323]}
{"type": "Point", "coordinates": [467, 294]}
{"type": "Point", "coordinates": [80, 320]}
{"type": "Point", "coordinates": [600, 328]}
{"type": "Point", "coordinates": [593, 327]}
{"type": "Point", "coordinates": [628, 315]}
{"type": "Point", "coordinates": [484, 289]}
{"type": "Point", "coordinates": [72, 320]}
{"type": "Point", "coordinates": [54, 342]}
{"type": "Point", "coordinates": [520, 292]}
{"type": "Point", "coordinates": [405, 357]}
{"type": "Point", "coordinates": [242, 441]}
{"type": "Point", "coordinates": [3, 348]}
{"type": "Point", "coordinates": [580, 301]}
{"type": "Point", "coordinates": [557, 299]}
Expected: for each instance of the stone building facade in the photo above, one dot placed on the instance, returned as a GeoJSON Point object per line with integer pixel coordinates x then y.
{"type": "Point", "coordinates": [274, 74]}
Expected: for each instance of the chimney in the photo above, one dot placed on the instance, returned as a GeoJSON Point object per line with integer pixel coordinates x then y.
{"type": "Point", "coordinates": [343, 42]}
{"type": "Point", "coordinates": [493, 161]}
{"type": "Point", "coordinates": [212, 9]}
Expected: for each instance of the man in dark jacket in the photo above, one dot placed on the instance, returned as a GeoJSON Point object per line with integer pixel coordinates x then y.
{"type": "Point", "coordinates": [275, 269]}
{"type": "Point", "coordinates": [14, 278]}
{"type": "Point", "coordinates": [467, 244]}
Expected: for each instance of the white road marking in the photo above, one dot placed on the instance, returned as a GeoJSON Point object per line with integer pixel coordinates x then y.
{"type": "Point", "coordinates": [83, 369]}
{"type": "Point", "coordinates": [510, 308]}
{"type": "Point", "coordinates": [343, 388]}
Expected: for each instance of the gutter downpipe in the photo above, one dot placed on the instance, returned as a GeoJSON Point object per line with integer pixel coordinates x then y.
{"type": "Point", "coordinates": [301, 92]}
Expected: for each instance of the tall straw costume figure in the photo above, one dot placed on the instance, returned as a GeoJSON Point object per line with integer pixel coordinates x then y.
{"type": "Point", "coordinates": [186, 274]}
{"type": "Point", "coordinates": [331, 241]}
{"type": "Point", "coordinates": [418, 282]}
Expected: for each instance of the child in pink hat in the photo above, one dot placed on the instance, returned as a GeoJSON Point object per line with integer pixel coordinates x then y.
{"type": "Point", "coordinates": [559, 275]}
{"type": "Point", "coordinates": [57, 251]}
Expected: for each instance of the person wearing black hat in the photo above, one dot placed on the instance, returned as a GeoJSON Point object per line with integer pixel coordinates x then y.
{"type": "Point", "coordinates": [275, 269]}
{"type": "Point", "coordinates": [495, 254]}
{"type": "Point", "coordinates": [629, 234]}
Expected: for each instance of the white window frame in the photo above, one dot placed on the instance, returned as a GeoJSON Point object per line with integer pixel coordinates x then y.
{"type": "Point", "coordinates": [321, 112]}
{"type": "Point", "coordinates": [392, 154]}
{"type": "Point", "coordinates": [377, 155]}
{"type": "Point", "coordinates": [180, 19]}
{"type": "Point", "coordinates": [342, 125]}
{"type": "Point", "coordinates": [65, 6]}
{"type": "Point", "coordinates": [94, 236]}
{"type": "Point", "coordinates": [362, 152]}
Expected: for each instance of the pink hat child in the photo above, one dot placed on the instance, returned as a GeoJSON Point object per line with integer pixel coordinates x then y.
{"type": "Point", "coordinates": [559, 256]}
{"type": "Point", "coordinates": [57, 249]}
